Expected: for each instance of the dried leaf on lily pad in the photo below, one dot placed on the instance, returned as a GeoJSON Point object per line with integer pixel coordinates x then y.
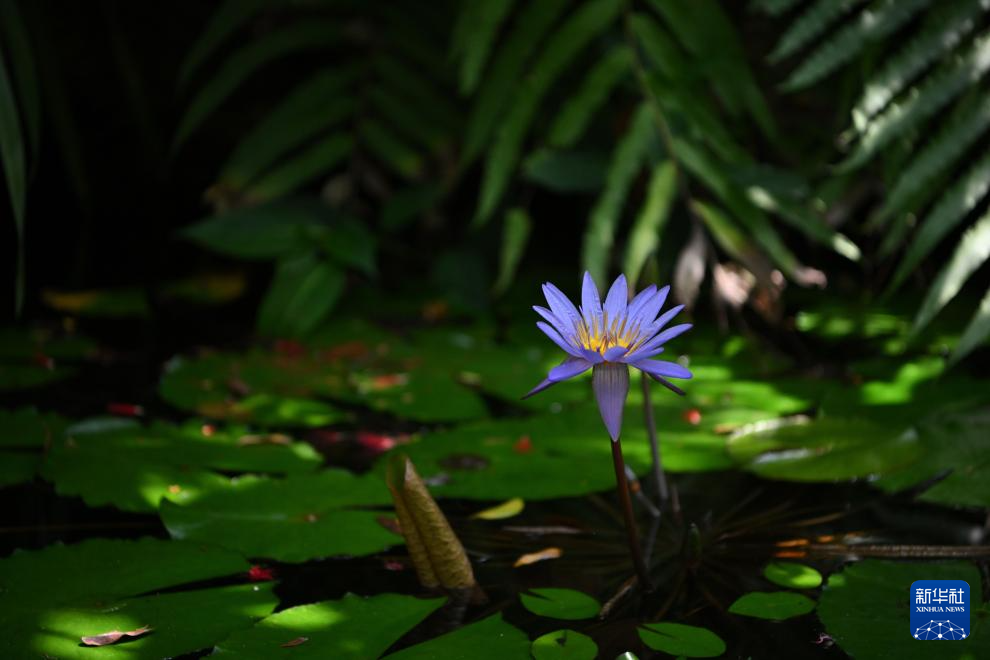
{"type": "Point", "coordinates": [436, 552]}
{"type": "Point", "coordinates": [539, 555]}
{"type": "Point", "coordinates": [113, 636]}
{"type": "Point", "coordinates": [507, 509]}
{"type": "Point", "coordinates": [294, 642]}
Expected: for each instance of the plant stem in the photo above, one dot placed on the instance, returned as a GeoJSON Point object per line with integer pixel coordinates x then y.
{"type": "Point", "coordinates": [659, 477]}
{"type": "Point", "coordinates": [625, 502]}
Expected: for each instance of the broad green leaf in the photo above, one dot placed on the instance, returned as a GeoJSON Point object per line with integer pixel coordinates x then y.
{"type": "Point", "coordinates": [772, 605]}
{"type": "Point", "coordinates": [564, 645]}
{"type": "Point", "coordinates": [49, 602]}
{"type": "Point", "coordinates": [644, 238]}
{"type": "Point", "coordinates": [582, 26]}
{"type": "Point", "coordinates": [682, 640]}
{"type": "Point", "coordinates": [14, 164]}
{"type": "Point", "coordinates": [477, 29]}
{"type": "Point", "coordinates": [566, 171]}
{"type": "Point", "coordinates": [302, 169]}
{"type": "Point", "coordinates": [555, 603]}
{"type": "Point", "coordinates": [794, 576]}
{"type": "Point", "coordinates": [627, 160]}
{"type": "Point", "coordinates": [35, 357]}
{"type": "Point", "coordinates": [515, 235]}
{"type": "Point", "coordinates": [134, 468]}
{"type": "Point", "coordinates": [488, 639]}
{"type": "Point", "coordinates": [295, 519]}
{"type": "Point", "coordinates": [22, 434]}
{"type": "Point", "coordinates": [352, 628]}
{"type": "Point", "coordinates": [864, 609]}
{"type": "Point", "coordinates": [243, 63]}
{"type": "Point", "coordinates": [972, 252]}
{"type": "Point", "coordinates": [578, 111]}
{"type": "Point", "coordinates": [303, 291]}
{"type": "Point", "coordinates": [390, 148]}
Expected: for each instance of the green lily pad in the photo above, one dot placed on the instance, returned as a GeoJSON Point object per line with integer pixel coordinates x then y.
{"type": "Point", "coordinates": [865, 610]}
{"type": "Point", "coordinates": [352, 627]}
{"type": "Point", "coordinates": [134, 467]}
{"type": "Point", "coordinates": [555, 603]}
{"type": "Point", "coordinates": [828, 449]}
{"type": "Point", "coordinates": [35, 357]}
{"type": "Point", "coordinates": [794, 576]}
{"type": "Point", "coordinates": [488, 639]}
{"type": "Point", "coordinates": [772, 605]}
{"type": "Point", "coordinates": [293, 519]}
{"type": "Point", "coordinates": [564, 645]}
{"type": "Point", "coordinates": [682, 639]}
{"type": "Point", "coordinates": [22, 434]}
{"type": "Point", "coordinates": [52, 597]}
{"type": "Point", "coordinates": [551, 456]}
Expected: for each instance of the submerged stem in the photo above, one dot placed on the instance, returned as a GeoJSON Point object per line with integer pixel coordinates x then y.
{"type": "Point", "coordinates": [659, 477]}
{"type": "Point", "coordinates": [625, 502]}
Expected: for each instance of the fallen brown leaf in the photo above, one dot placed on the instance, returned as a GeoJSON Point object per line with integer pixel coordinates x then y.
{"type": "Point", "coordinates": [103, 639]}
{"type": "Point", "coordinates": [264, 439]}
{"type": "Point", "coordinates": [294, 642]}
{"type": "Point", "coordinates": [539, 555]}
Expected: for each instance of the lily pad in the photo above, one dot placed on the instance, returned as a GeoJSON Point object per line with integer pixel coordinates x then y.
{"type": "Point", "coordinates": [488, 639]}
{"type": "Point", "coordinates": [564, 645]}
{"type": "Point", "coordinates": [864, 608]}
{"type": "Point", "coordinates": [568, 604]}
{"type": "Point", "coordinates": [35, 357]}
{"type": "Point", "coordinates": [352, 627]}
{"type": "Point", "coordinates": [22, 434]}
{"type": "Point", "coordinates": [682, 639]}
{"type": "Point", "coordinates": [134, 467]}
{"type": "Point", "coordinates": [792, 575]}
{"type": "Point", "coordinates": [772, 605]}
{"type": "Point", "coordinates": [50, 603]}
{"type": "Point", "coordinates": [293, 520]}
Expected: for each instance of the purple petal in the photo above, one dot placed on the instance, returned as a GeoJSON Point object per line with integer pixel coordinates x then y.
{"type": "Point", "coordinates": [594, 357]}
{"type": "Point", "coordinates": [666, 316]}
{"type": "Point", "coordinates": [641, 353]}
{"type": "Point", "coordinates": [566, 332]}
{"type": "Point", "coordinates": [662, 369]}
{"type": "Point", "coordinates": [544, 384]}
{"type": "Point", "coordinates": [557, 339]}
{"type": "Point", "coordinates": [611, 385]}
{"type": "Point", "coordinates": [568, 369]}
{"type": "Point", "coordinates": [614, 353]}
{"type": "Point", "coordinates": [591, 304]}
{"type": "Point", "coordinates": [670, 333]}
{"type": "Point", "coordinates": [615, 301]}
{"type": "Point", "coordinates": [649, 309]}
{"type": "Point", "coordinates": [561, 306]}
{"type": "Point", "coordinates": [636, 303]}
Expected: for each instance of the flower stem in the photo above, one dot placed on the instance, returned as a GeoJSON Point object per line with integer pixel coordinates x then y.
{"type": "Point", "coordinates": [632, 535]}
{"type": "Point", "coordinates": [651, 429]}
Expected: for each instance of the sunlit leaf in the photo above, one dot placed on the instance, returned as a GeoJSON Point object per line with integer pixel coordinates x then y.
{"type": "Point", "coordinates": [564, 645]}
{"type": "Point", "coordinates": [682, 639]}
{"type": "Point", "coordinates": [506, 509]}
{"type": "Point", "coordinates": [558, 603]}
{"type": "Point", "coordinates": [488, 639]}
{"type": "Point", "coordinates": [795, 576]}
{"type": "Point", "coordinates": [773, 605]}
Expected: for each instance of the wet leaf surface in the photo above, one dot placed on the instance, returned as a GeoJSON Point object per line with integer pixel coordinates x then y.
{"type": "Point", "coordinates": [491, 638]}
{"type": "Point", "coordinates": [564, 645]}
{"type": "Point", "coordinates": [682, 639]}
{"type": "Point", "coordinates": [557, 603]}
{"type": "Point", "coordinates": [772, 605]}
{"type": "Point", "coordinates": [794, 576]}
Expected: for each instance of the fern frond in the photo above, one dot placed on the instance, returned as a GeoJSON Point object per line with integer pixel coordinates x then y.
{"type": "Point", "coordinates": [627, 160]}
{"type": "Point", "coordinates": [390, 149]}
{"type": "Point", "coordinates": [227, 19]}
{"type": "Point", "coordinates": [975, 333]}
{"type": "Point", "coordinates": [972, 252]}
{"type": "Point", "coordinates": [302, 169]}
{"type": "Point", "coordinates": [937, 90]}
{"type": "Point", "coordinates": [879, 20]}
{"type": "Point", "coordinates": [477, 27]}
{"type": "Point", "coordinates": [949, 25]}
{"type": "Point", "coordinates": [962, 198]}
{"type": "Point", "coordinates": [577, 112]}
{"type": "Point", "coordinates": [940, 154]}
{"type": "Point", "coordinates": [812, 23]}
{"type": "Point", "coordinates": [774, 7]}
{"type": "Point", "coordinates": [590, 20]}
{"type": "Point", "coordinates": [644, 237]}
{"type": "Point", "coordinates": [525, 35]}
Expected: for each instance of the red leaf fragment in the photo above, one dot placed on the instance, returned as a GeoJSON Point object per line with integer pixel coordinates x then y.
{"type": "Point", "coordinates": [294, 642]}
{"type": "Point", "coordinates": [393, 565]}
{"type": "Point", "coordinates": [377, 443]}
{"type": "Point", "coordinates": [104, 639]}
{"type": "Point", "coordinates": [523, 445]}
{"type": "Point", "coordinates": [692, 416]}
{"type": "Point", "coordinates": [44, 361]}
{"type": "Point", "coordinates": [390, 523]}
{"type": "Point", "coordinates": [125, 409]}
{"type": "Point", "coordinates": [260, 573]}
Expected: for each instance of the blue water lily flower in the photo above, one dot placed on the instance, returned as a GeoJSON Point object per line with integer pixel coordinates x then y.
{"type": "Point", "coordinates": [609, 339]}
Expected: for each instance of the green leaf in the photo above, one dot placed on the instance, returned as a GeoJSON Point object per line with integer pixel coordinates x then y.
{"type": "Point", "coordinates": [554, 603]}
{"type": "Point", "coordinates": [14, 164]}
{"type": "Point", "coordinates": [937, 90]}
{"type": "Point", "coordinates": [583, 25]}
{"type": "Point", "coordinates": [390, 149]}
{"type": "Point", "coordinates": [566, 171]}
{"type": "Point", "coordinates": [774, 605]}
{"type": "Point", "coordinates": [524, 37]}
{"type": "Point", "coordinates": [243, 63]}
{"type": "Point", "coordinates": [231, 15]}
{"type": "Point", "coordinates": [578, 111]}
{"type": "Point", "coordinates": [488, 639]}
{"type": "Point", "coordinates": [774, 7]}
{"type": "Point", "coordinates": [627, 160]}
{"type": "Point", "coordinates": [477, 27]}
{"type": "Point", "coordinates": [809, 26]}
{"type": "Point", "coordinates": [303, 292]}
{"type": "Point", "coordinates": [791, 575]}
{"type": "Point", "coordinates": [644, 238]}
{"type": "Point", "coordinates": [49, 603]}
{"type": "Point", "coordinates": [682, 639]}
{"type": "Point", "coordinates": [950, 210]}
{"type": "Point", "coordinates": [976, 331]}
{"type": "Point", "coordinates": [295, 519]}
{"type": "Point", "coordinates": [310, 164]}
{"type": "Point", "coordinates": [864, 609]}
{"type": "Point", "coordinates": [134, 468]}
{"type": "Point", "coordinates": [515, 235]}
{"type": "Point", "coordinates": [972, 252]}
{"type": "Point", "coordinates": [564, 645]}
{"type": "Point", "coordinates": [870, 26]}
{"type": "Point", "coordinates": [352, 628]}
